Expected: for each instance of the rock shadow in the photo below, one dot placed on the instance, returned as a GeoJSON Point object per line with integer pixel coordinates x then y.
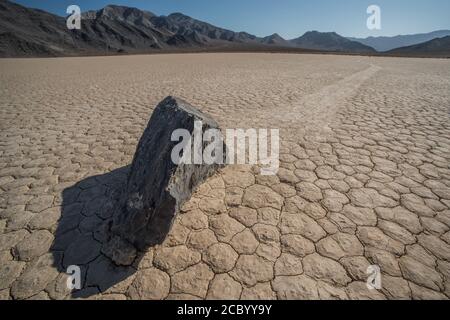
{"type": "Point", "coordinates": [87, 208]}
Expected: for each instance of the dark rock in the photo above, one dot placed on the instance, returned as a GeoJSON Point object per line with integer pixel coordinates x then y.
{"type": "Point", "coordinates": [121, 251]}
{"type": "Point", "coordinates": [157, 187]}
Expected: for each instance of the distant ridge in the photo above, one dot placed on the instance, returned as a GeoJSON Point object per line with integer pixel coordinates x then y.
{"type": "Point", "coordinates": [439, 47]}
{"type": "Point", "coordinates": [330, 41]}
{"type": "Point", "coordinates": [276, 39]}
{"type": "Point", "coordinates": [383, 44]}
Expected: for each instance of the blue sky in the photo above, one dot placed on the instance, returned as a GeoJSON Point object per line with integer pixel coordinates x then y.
{"type": "Point", "coordinates": [289, 18]}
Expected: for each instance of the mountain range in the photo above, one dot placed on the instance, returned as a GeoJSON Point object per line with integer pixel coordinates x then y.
{"type": "Point", "coordinates": [330, 41]}
{"type": "Point", "coordinates": [26, 32]}
{"type": "Point", "coordinates": [383, 44]}
{"type": "Point", "coordinates": [437, 47]}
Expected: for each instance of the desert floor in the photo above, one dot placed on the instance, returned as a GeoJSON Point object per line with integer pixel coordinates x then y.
{"type": "Point", "coordinates": [364, 177]}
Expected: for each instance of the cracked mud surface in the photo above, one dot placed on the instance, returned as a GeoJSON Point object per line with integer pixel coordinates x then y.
{"type": "Point", "coordinates": [364, 177]}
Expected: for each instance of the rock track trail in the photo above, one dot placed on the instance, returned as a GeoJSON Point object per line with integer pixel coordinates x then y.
{"type": "Point", "coordinates": [315, 111]}
{"type": "Point", "coordinates": [364, 177]}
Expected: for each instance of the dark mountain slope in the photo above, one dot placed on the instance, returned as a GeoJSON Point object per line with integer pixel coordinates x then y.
{"type": "Point", "coordinates": [383, 44]}
{"type": "Point", "coordinates": [180, 24]}
{"type": "Point", "coordinates": [439, 47]}
{"type": "Point", "coordinates": [26, 32]}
